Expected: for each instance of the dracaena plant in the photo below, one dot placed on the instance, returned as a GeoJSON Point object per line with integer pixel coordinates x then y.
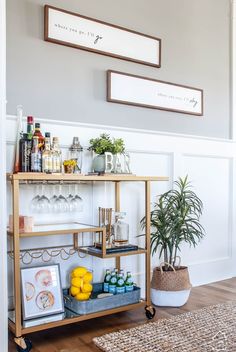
{"type": "Point", "coordinates": [175, 220]}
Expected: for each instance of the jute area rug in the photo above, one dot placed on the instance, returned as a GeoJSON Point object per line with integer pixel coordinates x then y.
{"type": "Point", "coordinates": [211, 329]}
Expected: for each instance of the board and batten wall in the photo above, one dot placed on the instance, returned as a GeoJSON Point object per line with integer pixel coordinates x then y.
{"type": "Point", "coordinates": [62, 83]}
{"type": "Point", "coordinates": [210, 165]}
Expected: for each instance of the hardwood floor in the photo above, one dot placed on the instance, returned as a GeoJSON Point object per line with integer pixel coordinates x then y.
{"type": "Point", "coordinates": [78, 337]}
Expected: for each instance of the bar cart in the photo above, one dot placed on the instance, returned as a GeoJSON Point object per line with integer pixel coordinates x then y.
{"type": "Point", "coordinates": [74, 229]}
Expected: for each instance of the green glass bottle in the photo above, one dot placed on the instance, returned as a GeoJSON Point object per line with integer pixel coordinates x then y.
{"type": "Point", "coordinates": [129, 285]}
{"type": "Point", "coordinates": [106, 281]}
{"type": "Point", "coordinates": [112, 283]}
{"type": "Point", "coordinates": [120, 285]}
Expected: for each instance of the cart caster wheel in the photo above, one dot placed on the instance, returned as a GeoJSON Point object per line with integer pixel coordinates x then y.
{"type": "Point", "coordinates": [150, 312]}
{"type": "Point", "coordinates": [24, 341]}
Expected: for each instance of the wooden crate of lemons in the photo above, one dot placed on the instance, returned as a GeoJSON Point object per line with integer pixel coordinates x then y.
{"type": "Point", "coordinates": [81, 287]}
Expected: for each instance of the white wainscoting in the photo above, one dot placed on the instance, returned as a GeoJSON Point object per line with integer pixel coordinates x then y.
{"type": "Point", "coordinates": [210, 164]}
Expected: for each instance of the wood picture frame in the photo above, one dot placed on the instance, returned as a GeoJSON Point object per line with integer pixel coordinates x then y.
{"type": "Point", "coordinates": [129, 89]}
{"type": "Point", "coordinates": [81, 32]}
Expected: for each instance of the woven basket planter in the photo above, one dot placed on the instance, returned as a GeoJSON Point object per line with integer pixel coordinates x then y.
{"type": "Point", "coordinates": [170, 288]}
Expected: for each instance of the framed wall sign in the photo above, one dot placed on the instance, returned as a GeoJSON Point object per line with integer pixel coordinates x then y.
{"type": "Point", "coordinates": [151, 93]}
{"type": "Point", "coordinates": [41, 291]}
{"type": "Point", "coordinates": [71, 29]}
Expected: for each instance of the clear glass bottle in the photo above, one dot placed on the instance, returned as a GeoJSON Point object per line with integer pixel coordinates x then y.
{"type": "Point", "coordinates": [47, 155]}
{"type": "Point", "coordinates": [76, 153]}
{"type": "Point", "coordinates": [36, 156]}
{"type": "Point", "coordinates": [120, 230]}
{"type": "Point", "coordinates": [56, 156]}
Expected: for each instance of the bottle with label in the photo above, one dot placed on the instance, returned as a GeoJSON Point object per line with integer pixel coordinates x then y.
{"type": "Point", "coordinates": [30, 127]}
{"type": "Point", "coordinates": [24, 153]}
{"type": "Point", "coordinates": [36, 156]}
{"type": "Point", "coordinates": [56, 156]}
{"type": "Point", "coordinates": [106, 281]}
{"type": "Point", "coordinates": [112, 283]}
{"type": "Point", "coordinates": [129, 285]}
{"type": "Point", "coordinates": [120, 285]}
{"type": "Point", "coordinates": [37, 133]}
{"type": "Point", "coordinates": [47, 155]}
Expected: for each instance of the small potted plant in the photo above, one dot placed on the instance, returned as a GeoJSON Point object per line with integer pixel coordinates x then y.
{"type": "Point", "coordinates": [69, 166]}
{"type": "Point", "coordinates": [104, 146]}
{"type": "Point", "coordinates": [174, 221]}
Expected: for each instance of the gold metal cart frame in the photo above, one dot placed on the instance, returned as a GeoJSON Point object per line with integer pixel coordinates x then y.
{"type": "Point", "coordinates": [16, 180]}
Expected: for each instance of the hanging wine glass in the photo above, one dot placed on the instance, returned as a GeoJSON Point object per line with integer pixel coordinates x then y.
{"type": "Point", "coordinates": [54, 196]}
{"type": "Point", "coordinates": [34, 201]}
{"type": "Point", "coordinates": [71, 201]}
{"type": "Point", "coordinates": [61, 204]}
{"type": "Point", "coordinates": [78, 200]}
{"type": "Point", "coordinates": [43, 204]}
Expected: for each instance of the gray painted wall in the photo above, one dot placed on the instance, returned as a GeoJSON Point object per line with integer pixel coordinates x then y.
{"type": "Point", "coordinates": [57, 82]}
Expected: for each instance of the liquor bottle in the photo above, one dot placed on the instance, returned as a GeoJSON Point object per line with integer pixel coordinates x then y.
{"type": "Point", "coordinates": [116, 272]}
{"type": "Point", "coordinates": [30, 126]}
{"type": "Point", "coordinates": [56, 156]}
{"type": "Point", "coordinates": [106, 281]}
{"type": "Point", "coordinates": [47, 155]}
{"type": "Point", "coordinates": [112, 283]}
{"type": "Point", "coordinates": [36, 156]}
{"type": "Point", "coordinates": [38, 133]}
{"type": "Point", "coordinates": [24, 153]}
{"type": "Point", "coordinates": [120, 285]}
{"type": "Point", "coordinates": [129, 285]}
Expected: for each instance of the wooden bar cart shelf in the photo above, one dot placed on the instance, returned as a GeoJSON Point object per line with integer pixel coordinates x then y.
{"type": "Point", "coordinates": [74, 229]}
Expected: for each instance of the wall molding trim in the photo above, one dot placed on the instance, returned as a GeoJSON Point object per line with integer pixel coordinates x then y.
{"type": "Point", "coordinates": [124, 129]}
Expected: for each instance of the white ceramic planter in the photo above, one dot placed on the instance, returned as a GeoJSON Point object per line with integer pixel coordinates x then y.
{"type": "Point", "coordinates": [169, 298]}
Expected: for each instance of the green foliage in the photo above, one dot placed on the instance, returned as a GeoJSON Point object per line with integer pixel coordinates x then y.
{"type": "Point", "coordinates": [175, 220]}
{"type": "Point", "coordinates": [104, 143]}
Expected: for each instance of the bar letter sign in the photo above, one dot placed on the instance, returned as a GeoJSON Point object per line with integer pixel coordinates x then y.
{"type": "Point", "coordinates": [150, 93]}
{"type": "Point", "coordinates": [71, 29]}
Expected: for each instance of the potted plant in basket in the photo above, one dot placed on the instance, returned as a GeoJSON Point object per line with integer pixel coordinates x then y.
{"type": "Point", "coordinates": [105, 147]}
{"type": "Point", "coordinates": [174, 221]}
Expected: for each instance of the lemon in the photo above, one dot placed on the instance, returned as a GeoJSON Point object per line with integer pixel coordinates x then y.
{"type": "Point", "coordinates": [77, 282]}
{"type": "Point", "coordinates": [82, 296]}
{"type": "Point", "coordinates": [74, 290]}
{"type": "Point", "coordinates": [79, 272]}
{"type": "Point", "coordinates": [87, 288]}
{"type": "Point", "coordinates": [88, 277]}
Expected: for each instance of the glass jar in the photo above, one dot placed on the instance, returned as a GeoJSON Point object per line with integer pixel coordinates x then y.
{"type": "Point", "coordinates": [76, 153]}
{"type": "Point", "coordinates": [120, 230]}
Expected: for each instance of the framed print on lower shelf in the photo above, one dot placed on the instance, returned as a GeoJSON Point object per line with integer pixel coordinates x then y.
{"type": "Point", "coordinates": [81, 32]}
{"type": "Point", "coordinates": [151, 93]}
{"type": "Point", "coordinates": [41, 291]}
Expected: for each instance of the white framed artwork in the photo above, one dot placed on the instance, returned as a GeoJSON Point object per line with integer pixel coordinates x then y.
{"type": "Point", "coordinates": [41, 291]}
{"type": "Point", "coordinates": [77, 31]}
{"type": "Point", "coordinates": [141, 91]}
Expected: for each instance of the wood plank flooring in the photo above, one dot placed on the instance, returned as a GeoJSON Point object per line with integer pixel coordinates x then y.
{"type": "Point", "coordinates": [78, 337]}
